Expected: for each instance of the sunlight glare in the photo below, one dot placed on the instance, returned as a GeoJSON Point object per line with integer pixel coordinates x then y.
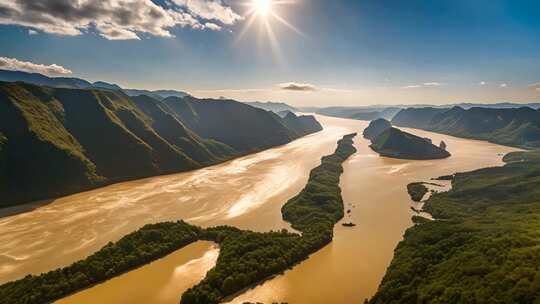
{"type": "Point", "coordinates": [262, 7]}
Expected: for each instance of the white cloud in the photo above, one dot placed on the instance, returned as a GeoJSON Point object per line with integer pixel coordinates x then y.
{"type": "Point", "coordinates": [114, 19]}
{"type": "Point", "coordinates": [482, 83]}
{"type": "Point", "coordinates": [212, 26]}
{"type": "Point", "coordinates": [210, 10]}
{"type": "Point", "coordinates": [295, 86]}
{"type": "Point", "coordinates": [415, 86]}
{"type": "Point", "coordinates": [503, 85]}
{"type": "Point", "coordinates": [423, 85]}
{"type": "Point", "coordinates": [13, 64]}
{"type": "Point", "coordinates": [32, 32]}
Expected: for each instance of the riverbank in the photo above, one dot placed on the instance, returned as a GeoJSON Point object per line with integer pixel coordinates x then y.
{"type": "Point", "coordinates": [236, 194]}
{"type": "Point", "coordinates": [484, 246]}
{"type": "Point", "coordinates": [245, 258]}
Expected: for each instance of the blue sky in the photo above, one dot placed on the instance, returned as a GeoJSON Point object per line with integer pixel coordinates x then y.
{"type": "Point", "coordinates": [347, 52]}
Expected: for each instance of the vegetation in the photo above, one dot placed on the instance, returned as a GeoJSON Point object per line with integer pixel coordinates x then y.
{"type": "Point", "coordinates": [88, 132]}
{"type": "Point", "coordinates": [399, 144]}
{"type": "Point", "coordinates": [245, 257]}
{"type": "Point", "coordinates": [417, 191]}
{"type": "Point", "coordinates": [419, 118]}
{"type": "Point", "coordinates": [138, 248]}
{"type": "Point", "coordinates": [249, 257]}
{"type": "Point", "coordinates": [484, 247]}
{"type": "Point", "coordinates": [376, 127]}
{"type": "Point", "coordinates": [519, 127]}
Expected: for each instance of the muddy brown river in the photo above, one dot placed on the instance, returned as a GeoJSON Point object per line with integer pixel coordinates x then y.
{"type": "Point", "coordinates": [248, 193]}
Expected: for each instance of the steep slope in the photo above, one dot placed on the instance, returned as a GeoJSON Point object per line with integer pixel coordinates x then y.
{"type": "Point", "coordinates": [376, 127]}
{"type": "Point", "coordinates": [62, 141]}
{"type": "Point", "coordinates": [40, 157]}
{"type": "Point", "coordinates": [240, 126]}
{"type": "Point", "coordinates": [518, 127]}
{"type": "Point", "coordinates": [398, 144]}
{"type": "Point", "coordinates": [419, 118]}
{"type": "Point", "coordinates": [56, 141]}
{"type": "Point", "coordinates": [303, 124]}
{"type": "Point", "coordinates": [173, 130]}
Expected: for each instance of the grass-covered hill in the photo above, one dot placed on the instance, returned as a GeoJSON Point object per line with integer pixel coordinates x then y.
{"type": "Point", "coordinates": [482, 247]}
{"type": "Point", "coordinates": [55, 141]}
{"type": "Point", "coordinates": [519, 127]}
{"type": "Point", "coordinates": [399, 144]}
{"type": "Point", "coordinates": [376, 127]}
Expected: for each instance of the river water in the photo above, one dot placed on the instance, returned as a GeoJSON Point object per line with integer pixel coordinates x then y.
{"type": "Point", "coordinates": [248, 193]}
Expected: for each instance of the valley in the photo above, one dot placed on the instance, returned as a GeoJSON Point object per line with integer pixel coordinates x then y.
{"type": "Point", "coordinates": [200, 198]}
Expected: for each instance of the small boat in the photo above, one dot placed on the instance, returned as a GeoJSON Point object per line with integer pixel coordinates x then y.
{"type": "Point", "coordinates": [348, 224]}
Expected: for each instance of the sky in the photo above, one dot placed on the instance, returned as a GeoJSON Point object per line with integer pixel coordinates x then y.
{"type": "Point", "coordinates": [303, 52]}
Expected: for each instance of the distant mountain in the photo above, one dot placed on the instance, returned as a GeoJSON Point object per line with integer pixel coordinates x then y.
{"type": "Point", "coordinates": [419, 118]}
{"type": "Point", "coordinates": [399, 144]}
{"type": "Point", "coordinates": [158, 94]}
{"type": "Point", "coordinates": [376, 127]}
{"type": "Point", "coordinates": [272, 106]}
{"type": "Point", "coordinates": [77, 83]}
{"type": "Point", "coordinates": [232, 122]}
{"type": "Point", "coordinates": [359, 113]}
{"type": "Point", "coordinates": [39, 79]}
{"type": "Point", "coordinates": [105, 85]}
{"type": "Point", "coordinates": [304, 124]}
{"type": "Point", "coordinates": [519, 127]}
{"type": "Point", "coordinates": [56, 141]}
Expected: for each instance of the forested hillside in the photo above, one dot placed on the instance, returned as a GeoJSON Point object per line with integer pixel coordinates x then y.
{"type": "Point", "coordinates": [482, 247]}
{"type": "Point", "coordinates": [56, 141]}
{"type": "Point", "coordinates": [399, 144]}
{"type": "Point", "coordinates": [519, 127]}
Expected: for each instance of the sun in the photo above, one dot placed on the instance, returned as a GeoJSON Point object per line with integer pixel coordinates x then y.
{"type": "Point", "coordinates": [262, 7]}
{"type": "Point", "coordinates": [266, 14]}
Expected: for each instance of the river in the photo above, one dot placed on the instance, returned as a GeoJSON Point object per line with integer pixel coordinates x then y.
{"type": "Point", "coordinates": [248, 193]}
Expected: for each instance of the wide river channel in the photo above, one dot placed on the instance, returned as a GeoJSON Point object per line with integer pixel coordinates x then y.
{"type": "Point", "coordinates": [248, 193]}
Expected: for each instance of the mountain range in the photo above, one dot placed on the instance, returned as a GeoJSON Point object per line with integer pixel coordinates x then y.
{"type": "Point", "coordinates": [273, 106]}
{"type": "Point", "coordinates": [56, 141]}
{"type": "Point", "coordinates": [518, 127]}
{"type": "Point", "coordinates": [77, 83]}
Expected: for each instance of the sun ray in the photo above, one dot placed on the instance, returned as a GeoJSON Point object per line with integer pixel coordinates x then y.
{"type": "Point", "coordinates": [286, 23]}
{"type": "Point", "coordinates": [264, 11]}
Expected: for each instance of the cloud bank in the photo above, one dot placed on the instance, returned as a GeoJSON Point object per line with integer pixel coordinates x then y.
{"type": "Point", "coordinates": [13, 64]}
{"type": "Point", "coordinates": [116, 19]}
{"type": "Point", "coordinates": [293, 86]}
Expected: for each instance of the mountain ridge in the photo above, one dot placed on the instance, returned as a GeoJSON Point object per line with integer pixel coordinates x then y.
{"type": "Point", "coordinates": [78, 139]}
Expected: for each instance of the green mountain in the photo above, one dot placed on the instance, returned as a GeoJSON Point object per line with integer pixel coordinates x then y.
{"type": "Point", "coordinates": [419, 118]}
{"type": "Point", "coordinates": [303, 124]}
{"type": "Point", "coordinates": [232, 123]}
{"type": "Point", "coordinates": [398, 144]}
{"type": "Point", "coordinates": [56, 141]}
{"type": "Point", "coordinates": [519, 127]}
{"type": "Point", "coordinates": [376, 127]}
